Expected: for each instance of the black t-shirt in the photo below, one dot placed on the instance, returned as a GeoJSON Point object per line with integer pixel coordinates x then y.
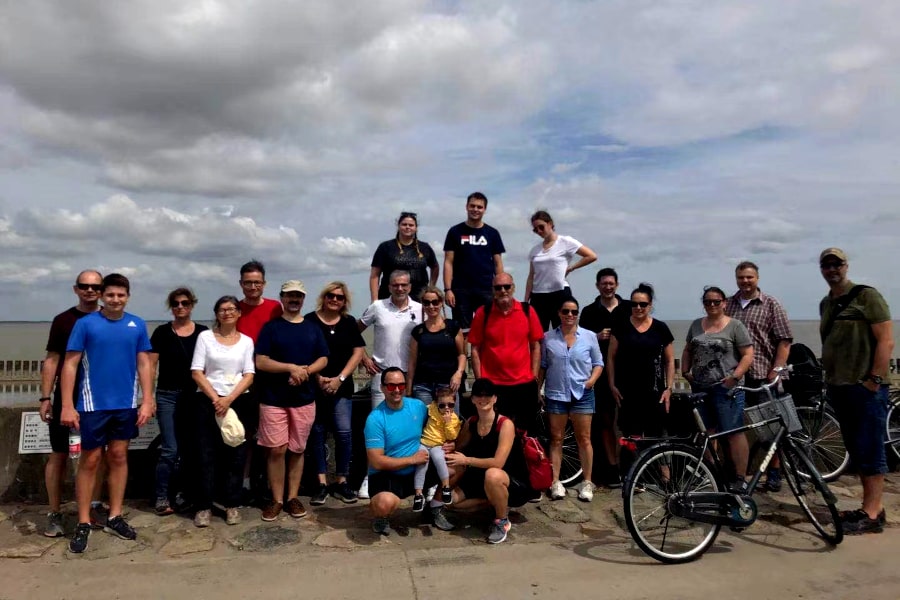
{"type": "Point", "coordinates": [342, 338]}
{"type": "Point", "coordinates": [175, 354]}
{"type": "Point", "coordinates": [437, 358]}
{"type": "Point", "coordinates": [473, 255]}
{"type": "Point", "coordinates": [639, 356]}
{"type": "Point", "coordinates": [58, 340]}
{"type": "Point", "coordinates": [294, 343]}
{"type": "Point", "coordinates": [390, 257]}
{"type": "Point", "coordinates": [595, 317]}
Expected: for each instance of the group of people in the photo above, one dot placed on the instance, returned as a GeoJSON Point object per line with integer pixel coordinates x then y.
{"type": "Point", "coordinates": [287, 377]}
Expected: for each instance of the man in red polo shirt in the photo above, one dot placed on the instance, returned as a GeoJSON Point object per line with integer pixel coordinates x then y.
{"type": "Point", "coordinates": [256, 311]}
{"type": "Point", "coordinates": [506, 348]}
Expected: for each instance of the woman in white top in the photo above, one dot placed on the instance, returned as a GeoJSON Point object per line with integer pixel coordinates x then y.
{"type": "Point", "coordinates": [223, 369]}
{"type": "Point", "coordinates": [546, 287]}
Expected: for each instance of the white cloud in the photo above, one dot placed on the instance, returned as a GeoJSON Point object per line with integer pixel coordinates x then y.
{"type": "Point", "coordinates": [345, 247]}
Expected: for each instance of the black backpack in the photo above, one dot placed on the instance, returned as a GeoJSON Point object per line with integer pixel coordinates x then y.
{"type": "Point", "coordinates": [806, 378]}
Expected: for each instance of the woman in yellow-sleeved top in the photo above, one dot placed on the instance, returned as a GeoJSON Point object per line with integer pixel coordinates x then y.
{"type": "Point", "coordinates": [442, 426]}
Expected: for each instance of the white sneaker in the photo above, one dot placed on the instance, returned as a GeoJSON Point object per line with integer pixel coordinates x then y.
{"type": "Point", "coordinates": [363, 492]}
{"type": "Point", "coordinates": [586, 494]}
{"type": "Point", "coordinates": [557, 491]}
{"type": "Point", "coordinates": [430, 492]}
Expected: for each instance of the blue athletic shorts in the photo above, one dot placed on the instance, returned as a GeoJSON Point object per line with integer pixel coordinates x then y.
{"type": "Point", "coordinates": [862, 415]}
{"type": "Point", "coordinates": [100, 427]}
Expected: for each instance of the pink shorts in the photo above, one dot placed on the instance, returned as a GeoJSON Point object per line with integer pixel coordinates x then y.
{"type": "Point", "coordinates": [279, 426]}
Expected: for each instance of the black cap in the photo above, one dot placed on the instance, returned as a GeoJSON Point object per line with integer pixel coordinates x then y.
{"type": "Point", "coordinates": [483, 387]}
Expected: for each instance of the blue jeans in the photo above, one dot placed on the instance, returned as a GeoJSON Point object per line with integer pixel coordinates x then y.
{"type": "Point", "coordinates": [862, 415]}
{"type": "Point", "coordinates": [166, 402]}
{"type": "Point", "coordinates": [333, 413]}
{"type": "Point", "coordinates": [427, 392]}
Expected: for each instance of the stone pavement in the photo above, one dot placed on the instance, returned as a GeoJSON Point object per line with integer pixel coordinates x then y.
{"type": "Point", "coordinates": [343, 528]}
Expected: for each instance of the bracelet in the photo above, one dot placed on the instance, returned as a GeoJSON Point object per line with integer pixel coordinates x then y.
{"type": "Point", "coordinates": [448, 290]}
{"type": "Point", "coordinates": [44, 399]}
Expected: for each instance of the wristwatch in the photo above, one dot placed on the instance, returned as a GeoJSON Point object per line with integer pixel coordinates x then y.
{"type": "Point", "coordinates": [341, 378]}
{"type": "Point", "coordinates": [877, 379]}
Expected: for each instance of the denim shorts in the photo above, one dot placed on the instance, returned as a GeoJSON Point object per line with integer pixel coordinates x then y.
{"type": "Point", "coordinates": [100, 427]}
{"type": "Point", "coordinates": [582, 406]}
{"type": "Point", "coordinates": [862, 415]}
{"type": "Point", "coordinates": [720, 410]}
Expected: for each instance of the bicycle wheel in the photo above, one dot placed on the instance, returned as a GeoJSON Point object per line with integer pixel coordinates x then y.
{"type": "Point", "coordinates": [659, 473]}
{"type": "Point", "coordinates": [822, 441]}
{"type": "Point", "coordinates": [570, 467]}
{"type": "Point", "coordinates": [892, 441]}
{"type": "Point", "coordinates": [811, 492]}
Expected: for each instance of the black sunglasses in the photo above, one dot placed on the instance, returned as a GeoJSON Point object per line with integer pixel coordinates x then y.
{"type": "Point", "coordinates": [503, 286]}
{"type": "Point", "coordinates": [444, 405]}
{"type": "Point", "coordinates": [177, 303]}
{"type": "Point", "coordinates": [568, 311]}
{"type": "Point", "coordinates": [332, 296]}
{"type": "Point", "coordinates": [435, 302]}
{"type": "Point", "coordinates": [639, 304]}
{"type": "Point", "coordinates": [95, 287]}
{"type": "Point", "coordinates": [712, 302]}
{"type": "Point", "coordinates": [831, 265]}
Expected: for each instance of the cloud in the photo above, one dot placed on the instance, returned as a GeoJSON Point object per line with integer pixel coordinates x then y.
{"type": "Point", "coordinates": [345, 247]}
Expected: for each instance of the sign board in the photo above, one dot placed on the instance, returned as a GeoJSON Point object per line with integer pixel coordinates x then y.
{"type": "Point", "coordinates": [34, 435]}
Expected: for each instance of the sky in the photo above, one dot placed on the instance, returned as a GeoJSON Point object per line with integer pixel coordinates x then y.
{"type": "Point", "coordinates": [172, 141]}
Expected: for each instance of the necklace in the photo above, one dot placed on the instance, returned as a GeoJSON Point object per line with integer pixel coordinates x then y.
{"type": "Point", "coordinates": [330, 326]}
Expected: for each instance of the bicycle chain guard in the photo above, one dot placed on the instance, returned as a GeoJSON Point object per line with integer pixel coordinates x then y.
{"type": "Point", "coordinates": [715, 508]}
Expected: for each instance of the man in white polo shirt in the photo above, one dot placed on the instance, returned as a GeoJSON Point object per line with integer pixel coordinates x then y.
{"type": "Point", "coordinates": [393, 319]}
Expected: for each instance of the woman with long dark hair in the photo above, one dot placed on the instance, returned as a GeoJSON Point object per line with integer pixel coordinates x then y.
{"type": "Point", "coordinates": [403, 253]}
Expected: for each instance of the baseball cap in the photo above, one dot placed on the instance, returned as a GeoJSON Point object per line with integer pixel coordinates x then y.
{"type": "Point", "coordinates": [294, 285]}
{"type": "Point", "coordinates": [483, 387]}
{"type": "Point", "coordinates": [835, 252]}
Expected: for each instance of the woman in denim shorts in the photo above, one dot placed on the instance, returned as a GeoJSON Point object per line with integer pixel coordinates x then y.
{"type": "Point", "coordinates": [571, 363]}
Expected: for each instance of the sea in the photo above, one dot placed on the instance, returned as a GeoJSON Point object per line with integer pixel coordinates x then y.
{"type": "Point", "coordinates": [26, 340]}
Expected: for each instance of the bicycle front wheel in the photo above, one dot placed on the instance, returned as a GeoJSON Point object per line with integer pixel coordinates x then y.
{"type": "Point", "coordinates": [659, 473]}
{"type": "Point", "coordinates": [892, 441]}
{"type": "Point", "coordinates": [570, 471]}
{"type": "Point", "coordinates": [812, 493]}
{"type": "Point", "coordinates": [822, 441]}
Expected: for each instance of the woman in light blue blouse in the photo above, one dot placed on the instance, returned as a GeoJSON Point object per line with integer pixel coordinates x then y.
{"type": "Point", "coordinates": [571, 363]}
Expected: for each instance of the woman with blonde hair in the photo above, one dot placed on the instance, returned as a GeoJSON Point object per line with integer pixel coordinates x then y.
{"type": "Point", "coordinates": [334, 405]}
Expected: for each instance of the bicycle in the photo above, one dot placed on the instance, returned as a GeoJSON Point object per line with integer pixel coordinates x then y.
{"type": "Point", "coordinates": [892, 438]}
{"type": "Point", "coordinates": [570, 468]}
{"type": "Point", "coordinates": [821, 438]}
{"type": "Point", "coordinates": [674, 501]}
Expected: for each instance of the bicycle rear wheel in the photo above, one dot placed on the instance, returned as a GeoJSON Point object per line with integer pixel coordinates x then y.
{"type": "Point", "coordinates": [570, 467]}
{"type": "Point", "coordinates": [659, 473]}
{"type": "Point", "coordinates": [892, 441]}
{"type": "Point", "coordinates": [811, 492]}
{"type": "Point", "coordinates": [822, 441]}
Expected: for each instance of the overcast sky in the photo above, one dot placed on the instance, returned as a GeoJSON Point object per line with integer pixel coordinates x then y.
{"type": "Point", "coordinates": [174, 140]}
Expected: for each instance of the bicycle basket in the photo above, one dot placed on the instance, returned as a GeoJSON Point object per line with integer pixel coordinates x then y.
{"type": "Point", "coordinates": [783, 407]}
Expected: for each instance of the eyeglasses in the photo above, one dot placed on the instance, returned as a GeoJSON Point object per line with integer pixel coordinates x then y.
{"type": "Point", "coordinates": [395, 387]}
{"type": "Point", "coordinates": [503, 287]}
{"type": "Point", "coordinates": [253, 283]}
{"type": "Point", "coordinates": [639, 304]}
{"type": "Point", "coordinates": [332, 296]}
{"type": "Point", "coordinates": [399, 285]}
{"type": "Point", "coordinates": [568, 311]}
{"type": "Point", "coordinates": [181, 303]}
{"type": "Point", "coordinates": [445, 405]}
{"type": "Point", "coordinates": [227, 311]}
{"type": "Point", "coordinates": [94, 287]}
{"type": "Point", "coordinates": [831, 265]}
{"type": "Point", "coordinates": [435, 302]}
{"type": "Point", "coordinates": [712, 302]}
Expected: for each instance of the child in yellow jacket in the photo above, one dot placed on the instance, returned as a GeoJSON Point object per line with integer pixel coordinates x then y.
{"type": "Point", "coordinates": [442, 426]}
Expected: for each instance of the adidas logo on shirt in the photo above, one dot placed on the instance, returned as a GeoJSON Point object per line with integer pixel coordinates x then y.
{"type": "Point", "coordinates": [132, 324]}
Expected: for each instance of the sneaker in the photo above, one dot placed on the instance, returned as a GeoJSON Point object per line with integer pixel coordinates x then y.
{"type": "Point", "coordinates": [738, 487]}
{"type": "Point", "coordinates": [865, 524]}
{"type": "Point", "coordinates": [851, 516]}
{"type": "Point", "coordinates": [381, 526]}
{"type": "Point", "coordinates": [232, 516]}
{"type": "Point", "coordinates": [773, 480]}
{"type": "Point", "coordinates": [614, 481]}
{"type": "Point", "coordinates": [343, 492]}
{"type": "Point", "coordinates": [80, 539]}
{"type": "Point", "coordinates": [54, 525]}
{"type": "Point", "coordinates": [499, 529]}
{"type": "Point", "coordinates": [439, 519]}
{"type": "Point", "coordinates": [99, 515]}
{"type": "Point", "coordinates": [271, 511]}
{"type": "Point", "coordinates": [120, 527]}
{"type": "Point", "coordinates": [295, 508]}
{"type": "Point", "coordinates": [447, 496]}
{"type": "Point", "coordinates": [557, 491]}
{"type": "Point", "coordinates": [586, 493]}
{"type": "Point", "coordinates": [318, 497]}
{"type": "Point", "coordinates": [430, 492]}
{"type": "Point", "coordinates": [202, 517]}
{"type": "Point", "coordinates": [535, 496]}
{"type": "Point", "coordinates": [181, 503]}
{"type": "Point", "coordinates": [418, 503]}
{"type": "Point", "coordinates": [162, 507]}
{"type": "Point", "coordinates": [364, 489]}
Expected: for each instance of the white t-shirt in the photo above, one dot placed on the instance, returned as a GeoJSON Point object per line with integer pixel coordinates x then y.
{"type": "Point", "coordinates": [393, 328]}
{"type": "Point", "coordinates": [550, 265]}
{"type": "Point", "coordinates": [224, 366]}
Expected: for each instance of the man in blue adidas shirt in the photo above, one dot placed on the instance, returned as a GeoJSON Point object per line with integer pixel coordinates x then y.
{"type": "Point", "coordinates": [100, 399]}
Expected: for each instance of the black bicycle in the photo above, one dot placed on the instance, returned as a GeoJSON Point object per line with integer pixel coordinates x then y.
{"type": "Point", "coordinates": [892, 435]}
{"type": "Point", "coordinates": [570, 470]}
{"type": "Point", "coordinates": [675, 498]}
{"type": "Point", "coordinates": [821, 438]}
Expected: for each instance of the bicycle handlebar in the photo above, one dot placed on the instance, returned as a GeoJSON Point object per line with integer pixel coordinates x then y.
{"type": "Point", "coordinates": [766, 387]}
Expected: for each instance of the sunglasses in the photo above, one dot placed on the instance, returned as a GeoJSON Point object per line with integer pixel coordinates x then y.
{"type": "Point", "coordinates": [712, 302]}
{"type": "Point", "coordinates": [331, 296]}
{"type": "Point", "coordinates": [445, 405]}
{"type": "Point", "coordinates": [639, 304]}
{"type": "Point", "coordinates": [408, 215]}
{"type": "Point", "coordinates": [179, 303]}
{"type": "Point", "coordinates": [831, 265]}
{"type": "Point", "coordinates": [539, 228]}
{"type": "Point", "coordinates": [503, 286]}
{"type": "Point", "coordinates": [435, 302]}
{"type": "Point", "coordinates": [568, 311]}
{"type": "Point", "coordinates": [94, 287]}
{"type": "Point", "coordinates": [395, 387]}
